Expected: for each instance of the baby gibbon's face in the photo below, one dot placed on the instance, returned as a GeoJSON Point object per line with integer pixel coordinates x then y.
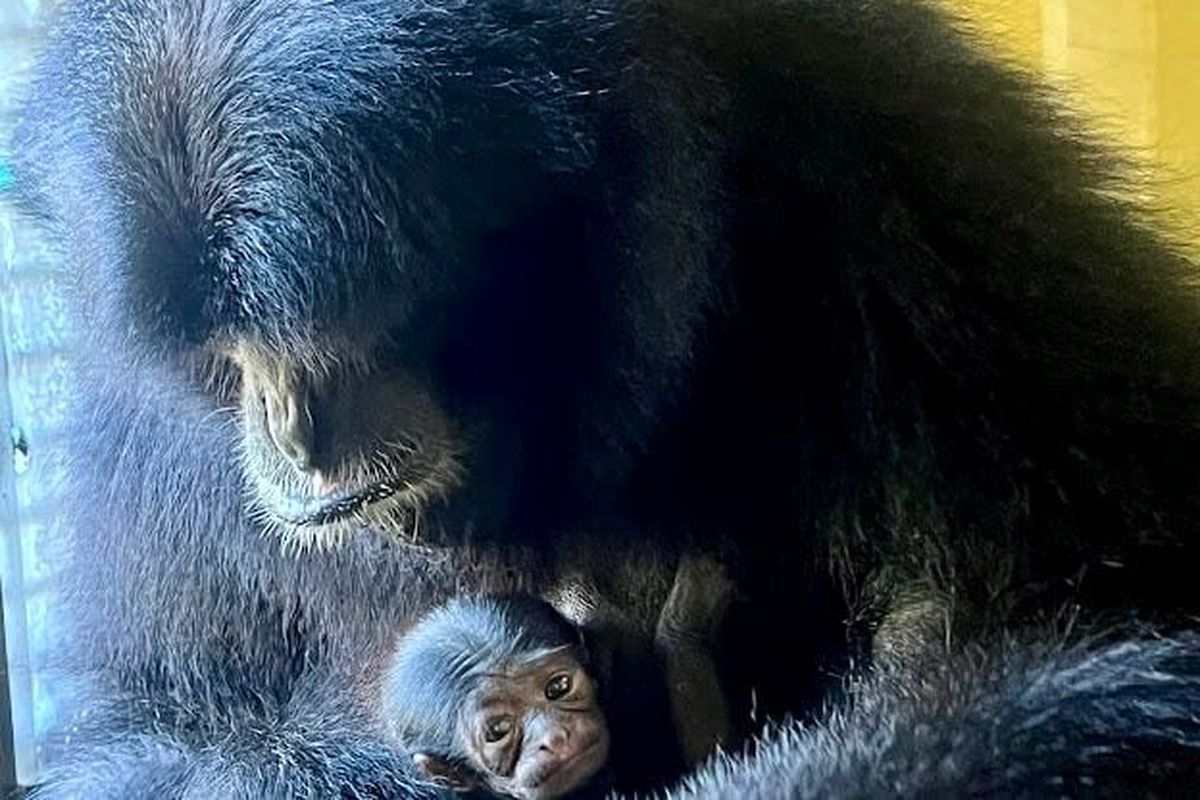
{"type": "Point", "coordinates": [536, 732]}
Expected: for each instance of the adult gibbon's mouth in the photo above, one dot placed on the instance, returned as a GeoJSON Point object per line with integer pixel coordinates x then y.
{"type": "Point", "coordinates": [319, 512]}
{"type": "Point", "coordinates": [324, 510]}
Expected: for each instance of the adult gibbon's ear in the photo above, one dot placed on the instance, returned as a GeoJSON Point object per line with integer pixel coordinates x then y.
{"type": "Point", "coordinates": [443, 773]}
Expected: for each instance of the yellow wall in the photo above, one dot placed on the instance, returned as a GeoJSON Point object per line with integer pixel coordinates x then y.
{"type": "Point", "coordinates": [1133, 65]}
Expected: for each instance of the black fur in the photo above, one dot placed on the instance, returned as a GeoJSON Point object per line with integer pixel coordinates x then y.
{"type": "Point", "coordinates": [1107, 721]}
{"type": "Point", "coordinates": [809, 281]}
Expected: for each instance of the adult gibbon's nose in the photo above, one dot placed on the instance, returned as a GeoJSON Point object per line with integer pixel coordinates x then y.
{"type": "Point", "coordinates": [290, 424]}
{"type": "Point", "coordinates": [285, 392]}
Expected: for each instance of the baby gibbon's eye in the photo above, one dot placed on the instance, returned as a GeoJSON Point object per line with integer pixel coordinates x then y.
{"type": "Point", "coordinates": [497, 729]}
{"type": "Point", "coordinates": [558, 687]}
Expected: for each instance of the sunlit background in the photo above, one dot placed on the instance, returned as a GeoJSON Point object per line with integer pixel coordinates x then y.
{"type": "Point", "coordinates": [1132, 66]}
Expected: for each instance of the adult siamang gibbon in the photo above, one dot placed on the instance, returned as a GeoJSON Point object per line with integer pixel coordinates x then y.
{"type": "Point", "coordinates": [380, 301]}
